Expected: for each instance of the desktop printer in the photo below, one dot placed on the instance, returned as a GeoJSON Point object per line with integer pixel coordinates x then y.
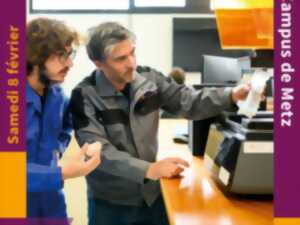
{"type": "Point", "coordinates": [239, 153]}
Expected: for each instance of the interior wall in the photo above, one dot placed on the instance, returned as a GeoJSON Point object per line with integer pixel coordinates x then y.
{"type": "Point", "coordinates": [154, 48]}
{"type": "Point", "coordinates": [154, 40]}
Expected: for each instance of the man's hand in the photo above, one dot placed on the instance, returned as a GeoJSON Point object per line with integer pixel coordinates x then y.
{"type": "Point", "coordinates": [240, 92]}
{"type": "Point", "coordinates": [82, 162]}
{"type": "Point", "coordinates": [166, 168]}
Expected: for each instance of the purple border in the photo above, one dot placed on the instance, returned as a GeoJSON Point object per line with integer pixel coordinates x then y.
{"type": "Point", "coordinates": [13, 13]}
{"type": "Point", "coordinates": [287, 151]}
{"type": "Point", "coordinates": [35, 221]}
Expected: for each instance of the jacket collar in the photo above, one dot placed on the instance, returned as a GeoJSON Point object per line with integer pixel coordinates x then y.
{"type": "Point", "coordinates": [33, 97]}
{"type": "Point", "coordinates": [137, 82]}
{"type": "Point", "coordinates": [105, 87]}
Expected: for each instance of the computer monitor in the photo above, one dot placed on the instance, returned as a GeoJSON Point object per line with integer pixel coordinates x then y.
{"type": "Point", "coordinates": [223, 70]}
{"type": "Point", "coordinates": [198, 129]}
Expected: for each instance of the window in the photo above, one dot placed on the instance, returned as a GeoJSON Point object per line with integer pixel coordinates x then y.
{"type": "Point", "coordinates": [159, 3]}
{"type": "Point", "coordinates": [65, 5]}
{"type": "Point", "coordinates": [120, 6]}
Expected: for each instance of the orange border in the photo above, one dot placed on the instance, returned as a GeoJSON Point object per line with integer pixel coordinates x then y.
{"type": "Point", "coordinates": [12, 184]}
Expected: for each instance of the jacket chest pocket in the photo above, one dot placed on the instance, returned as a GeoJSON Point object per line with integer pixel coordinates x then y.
{"type": "Point", "coordinates": [148, 103]}
{"type": "Point", "coordinates": [147, 99]}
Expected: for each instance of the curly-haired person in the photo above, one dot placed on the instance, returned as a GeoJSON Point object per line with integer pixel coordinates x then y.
{"type": "Point", "coordinates": [48, 121]}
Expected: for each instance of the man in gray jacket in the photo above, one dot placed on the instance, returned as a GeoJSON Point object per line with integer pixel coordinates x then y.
{"type": "Point", "coordinates": [118, 105]}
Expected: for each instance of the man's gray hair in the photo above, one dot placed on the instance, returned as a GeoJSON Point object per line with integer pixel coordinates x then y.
{"type": "Point", "coordinates": [104, 37]}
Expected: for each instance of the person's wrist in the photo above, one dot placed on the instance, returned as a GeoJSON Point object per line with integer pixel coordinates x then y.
{"type": "Point", "coordinates": [150, 172]}
{"type": "Point", "coordinates": [233, 96]}
{"type": "Point", "coordinates": [63, 173]}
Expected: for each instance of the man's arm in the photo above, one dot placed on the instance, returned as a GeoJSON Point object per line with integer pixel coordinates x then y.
{"type": "Point", "coordinates": [89, 129]}
{"type": "Point", "coordinates": [43, 178]}
{"type": "Point", "coordinates": [50, 178]}
{"type": "Point", "coordinates": [197, 104]}
{"type": "Point", "coordinates": [64, 137]}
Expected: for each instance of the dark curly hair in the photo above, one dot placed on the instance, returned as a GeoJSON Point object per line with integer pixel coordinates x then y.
{"type": "Point", "coordinates": [45, 37]}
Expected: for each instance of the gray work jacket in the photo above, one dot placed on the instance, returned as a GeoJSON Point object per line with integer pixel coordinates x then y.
{"type": "Point", "coordinates": [128, 129]}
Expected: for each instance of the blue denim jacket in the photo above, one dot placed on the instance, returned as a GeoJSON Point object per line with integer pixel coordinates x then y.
{"type": "Point", "coordinates": [47, 135]}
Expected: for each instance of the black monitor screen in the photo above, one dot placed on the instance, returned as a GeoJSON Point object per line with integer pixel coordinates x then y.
{"type": "Point", "coordinates": [223, 70]}
{"type": "Point", "coordinates": [195, 37]}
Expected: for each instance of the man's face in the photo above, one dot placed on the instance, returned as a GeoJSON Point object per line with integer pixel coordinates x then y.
{"type": "Point", "coordinates": [58, 65]}
{"type": "Point", "coordinates": [120, 64]}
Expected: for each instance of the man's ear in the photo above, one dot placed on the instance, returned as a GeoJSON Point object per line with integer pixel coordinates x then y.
{"type": "Point", "coordinates": [36, 69]}
{"type": "Point", "coordinates": [33, 70]}
{"type": "Point", "coordinates": [98, 64]}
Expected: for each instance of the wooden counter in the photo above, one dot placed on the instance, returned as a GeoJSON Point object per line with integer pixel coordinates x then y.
{"type": "Point", "coordinates": [203, 203]}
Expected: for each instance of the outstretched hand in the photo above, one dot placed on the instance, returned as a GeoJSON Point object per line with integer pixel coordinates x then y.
{"type": "Point", "coordinates": [240, 92]}
{"type": "Point", "coordinates": [83, 161]}
{"type": "Point", "coordinates": [166, 168]}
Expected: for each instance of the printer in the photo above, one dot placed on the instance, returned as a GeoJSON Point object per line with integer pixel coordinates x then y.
{"type": "Point", "coordinates": [239, 153]}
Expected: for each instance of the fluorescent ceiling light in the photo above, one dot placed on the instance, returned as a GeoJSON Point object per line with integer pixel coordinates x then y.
{"type": "Point", "coordinates": [80, 4]}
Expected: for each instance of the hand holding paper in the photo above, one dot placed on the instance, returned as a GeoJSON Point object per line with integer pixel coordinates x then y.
{"type": "Point", "coordinates": [250, 105]}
